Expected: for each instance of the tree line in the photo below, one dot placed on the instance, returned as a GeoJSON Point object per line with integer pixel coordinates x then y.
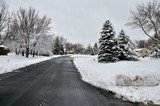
{"type": "Point", "coordinates": [61, 46]}
{"type": "Point", "coordinates": [26, 32]}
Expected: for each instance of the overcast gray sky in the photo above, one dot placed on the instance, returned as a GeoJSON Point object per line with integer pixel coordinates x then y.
{"type": "Point", "coordinates": [80, 21]}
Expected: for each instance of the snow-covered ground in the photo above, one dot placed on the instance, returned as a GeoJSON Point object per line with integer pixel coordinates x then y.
{"type": "Point", "coordinates": [136, 81]}
{"type": "Point", "coordinates": [12, 62]}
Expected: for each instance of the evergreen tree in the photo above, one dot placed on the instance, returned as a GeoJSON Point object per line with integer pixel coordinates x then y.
{"type": "Point", "coordinates": [108, 45]}
{"type": "Point", "coordinates": [125, 47]}
{"type": "Point", "coordinates": [95, 49]}
{"type": "Point", "coordinates": [58, 47]}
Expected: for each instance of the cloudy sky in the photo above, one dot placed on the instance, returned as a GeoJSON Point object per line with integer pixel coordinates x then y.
{"type": "Point", "coordinates": [80, 21]}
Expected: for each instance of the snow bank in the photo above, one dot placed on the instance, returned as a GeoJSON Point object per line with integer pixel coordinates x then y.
{"type": "Point", "coordinates": [124, 80]}
{"type": "Point", "coordinates": [139, 80]}
{"type": "Point", "coordinates": [12, 62]}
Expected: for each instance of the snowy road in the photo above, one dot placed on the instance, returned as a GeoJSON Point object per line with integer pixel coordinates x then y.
{"type": "Point", "coordinates": [55, 82]}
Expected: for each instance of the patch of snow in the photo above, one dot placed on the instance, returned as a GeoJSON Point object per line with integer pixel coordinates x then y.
{"type": "Point", "coordinates": [139, 80]}
{"type": "Point", "coordinates": [13, 62]}
{"type": "Point", "coordinates": [2, 46]}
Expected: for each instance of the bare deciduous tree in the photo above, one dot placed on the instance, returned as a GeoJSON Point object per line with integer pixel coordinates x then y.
{"type": "Point", "coordinates": [74, 48]}
{"type": "Point", "coordinates": [89, 50]}
{"type": "Point", "coordinates": [4, 21]}
{"type": "Point", "coordinates": [30, 28]}
{"type": "Point", "coordinates": [141, 44]}
{"type": "Point", "coordinates": [78, 48]}
{"type": "Point", "coordinates": [147, 18]}
{"type": "Point", "coordinates": [69, 48]}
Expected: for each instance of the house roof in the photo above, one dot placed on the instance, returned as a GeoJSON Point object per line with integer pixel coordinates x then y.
{"type": "Point", "coordinates": [139, 49]}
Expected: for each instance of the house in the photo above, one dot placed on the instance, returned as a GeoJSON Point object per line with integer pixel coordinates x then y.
{"type": "Point", "coordinates": [4, 50]}
{"type": "Point", "coordinates": [142, 52]}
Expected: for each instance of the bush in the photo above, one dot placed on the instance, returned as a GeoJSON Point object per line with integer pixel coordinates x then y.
{"type": "Point", "coordinates": [4, 51]}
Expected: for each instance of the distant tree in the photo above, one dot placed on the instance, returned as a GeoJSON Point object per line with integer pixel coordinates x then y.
{"type": "Point", "coordinates": [151, 43]}
{"type": "Point", "coordinates": [125, 49]}
{"type": "Point", "coordinates": [95, 49]}
{"type": "Point", "coordinates": [69, 47]}
{"type": "Point", "coordinates": [62, 40]}
{"type": "Point", "coordinates": [78, 48]}
{"type": "Point", "coordinates": [89, 50]}
{"type": "Point", "coordinates": [108, 45]}
{"type": "Point", "coordinates": [147, 18]}
{"type": "Point", "coordinates": [58, 48]}
{"type": "Point", "coordinates": [5, 20]}
{"type": "Point", "coordinates": [141, 44]}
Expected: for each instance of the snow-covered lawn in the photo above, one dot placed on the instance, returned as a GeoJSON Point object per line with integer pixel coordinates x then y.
{"type": "Point", "coordinates": [12, 62]}
{"type": "Point", "coordinates": [139, 80]}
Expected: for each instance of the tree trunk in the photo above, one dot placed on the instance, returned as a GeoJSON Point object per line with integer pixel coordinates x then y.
{"type": "Point", "coordinates": [23, 53]}
{"type": "Point", "coordinates": [16, 51]}
{"type": "Point", "coordinates": [27, 52]}
{"type": "Point", "coordinates": [33, 53]}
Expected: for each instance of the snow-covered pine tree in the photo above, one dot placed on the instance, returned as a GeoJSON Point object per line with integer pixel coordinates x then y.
{"type": "Point", "coordinates": [95, 49]}
{"type": "Point", "coordinates": [125, 47]}
{"type": "Point", "coordinates": [108, 46]}
{"type": "Point", "coordinates": [58, 47]}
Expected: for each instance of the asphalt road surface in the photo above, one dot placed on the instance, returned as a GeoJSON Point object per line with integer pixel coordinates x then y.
{"type": "Point", "coordinates": [55, 82]}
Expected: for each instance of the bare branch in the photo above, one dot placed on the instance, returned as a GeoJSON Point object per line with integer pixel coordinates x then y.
{"type": "Point", "coordinates": [147, 18]}
{"type": "Point", "coordinates": [4, 21]}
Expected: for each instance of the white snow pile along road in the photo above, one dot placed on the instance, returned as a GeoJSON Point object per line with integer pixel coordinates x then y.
{"type": "Point", "coordinates": [136, 81]}
{"type": "Point", "coordinates": [13, 62]}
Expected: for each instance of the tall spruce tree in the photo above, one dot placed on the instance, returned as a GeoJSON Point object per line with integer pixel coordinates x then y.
{"type": "Point", "coordinates": [108, 45]}
{"type": "Point", "coordinates": [125, 47]}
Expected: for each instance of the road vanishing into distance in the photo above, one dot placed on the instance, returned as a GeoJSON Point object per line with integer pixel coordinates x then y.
{"type": "Point", "coordinates": [54, 82]}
